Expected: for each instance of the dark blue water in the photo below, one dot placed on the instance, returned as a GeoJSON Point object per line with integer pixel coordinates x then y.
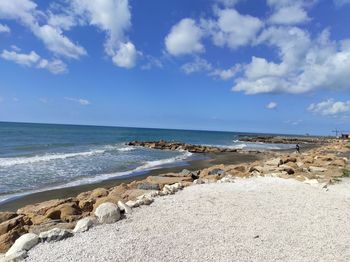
{"type": "Point", "coordinates": [38, 156]}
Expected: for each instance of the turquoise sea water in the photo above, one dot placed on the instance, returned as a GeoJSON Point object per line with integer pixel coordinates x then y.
{"type": "Point", "coordinates": [36, 157]}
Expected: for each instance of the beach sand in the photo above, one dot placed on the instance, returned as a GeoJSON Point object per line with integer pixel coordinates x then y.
{"type": "Point", "coordinates": [256, 219]}
{"type": "Point", "coordinates": [207, 161]}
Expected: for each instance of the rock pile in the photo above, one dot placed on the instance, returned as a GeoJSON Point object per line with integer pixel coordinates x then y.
{"type": "Point", "coordinates": [164, 145]}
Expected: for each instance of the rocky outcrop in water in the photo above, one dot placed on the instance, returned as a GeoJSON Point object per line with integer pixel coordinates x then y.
{"type": "Point", "coordinates": [165, 145]}
{"type": "Point", "coordinates": [285, 139]}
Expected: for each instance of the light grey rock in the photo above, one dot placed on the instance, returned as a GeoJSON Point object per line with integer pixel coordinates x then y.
{"type": "Point", "coordinates": [124, 207]}
{"type": "Point", "coordinates": [84, 224]}
{"type": "Point", "coordinates": [198, 181]}
{"type": "Point", "coordinates": [107, 213]}
{"type": "Point", "coordinates": [55, 234]}
{"type": "Point", "coordinates": [15, 257]}
{"type": "Point", "coordinates": [24, 243]}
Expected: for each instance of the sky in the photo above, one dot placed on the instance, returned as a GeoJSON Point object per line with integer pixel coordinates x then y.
{"type": "Point", "coordinates": [271, 66]}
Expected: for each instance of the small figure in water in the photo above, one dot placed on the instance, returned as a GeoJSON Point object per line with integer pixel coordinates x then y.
{"type": "Point", "coordinates": [297, 147]}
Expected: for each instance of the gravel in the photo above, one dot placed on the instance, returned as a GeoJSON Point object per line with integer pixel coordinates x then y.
{"type": "Point", "coordinates": [257, 219]}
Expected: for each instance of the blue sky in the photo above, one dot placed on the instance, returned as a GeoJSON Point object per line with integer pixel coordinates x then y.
{"type": "Point", "coordinates": [240, 65]}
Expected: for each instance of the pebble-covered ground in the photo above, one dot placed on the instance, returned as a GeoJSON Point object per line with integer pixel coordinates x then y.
{"type": "Point", "coordinates": [258, 219]}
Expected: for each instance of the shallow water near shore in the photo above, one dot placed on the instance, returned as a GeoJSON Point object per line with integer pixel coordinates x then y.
{"type": "Point", "coordinates": [40, 157]}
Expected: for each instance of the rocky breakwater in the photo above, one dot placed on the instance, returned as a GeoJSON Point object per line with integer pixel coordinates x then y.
{"type": "Point", "coordinates": [285, 139]}
{"type": "Point", "coordinates": [165, 145]}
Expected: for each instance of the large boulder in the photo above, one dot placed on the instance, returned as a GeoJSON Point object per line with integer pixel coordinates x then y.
{"type": "Point", "coordinates": [55, 234]}
{"type": "Point", "coordinates": [24, 243]}
{"type": "Point", "coordinates": [67, 212]}
{"type": "Point", "coordinates": [107, 213]}
{"type": "Point", "coordinates": [50, 224]}
{"type": "Point", "coordinates": [37, 212]}
{"type": "Point", "coordinates": [274, 162]}
{"type": "Point", "coordinates": [15, 257]}
{"type": "Point", "coordinates": [16, 222]}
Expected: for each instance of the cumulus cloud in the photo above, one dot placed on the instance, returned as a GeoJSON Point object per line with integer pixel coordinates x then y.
{"type": "Point", "coordinates": [330, 107]}
{"type": "Point", "coordinates": [32, 59]}
{"type": "Point", "coordinates": [232, 29]}
{"type": "Point", "coordinates": [271, 105]}
{"type": "Point", "coordinates": [184, 38]}
{"type": "Point", "coordinates": [4, 29]}
{"type": "Point", "coordinates": [80, 101]}
{"type": "Point", "coordinates": [289, 15]}
{"type": "Point", "coordinates": [26, 12]}
{"type": "Point", "coordinates": [114, 18]}
{"type": "Point", "coordinates": [306, 64]}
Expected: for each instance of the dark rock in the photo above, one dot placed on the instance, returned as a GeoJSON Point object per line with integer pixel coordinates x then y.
{"type": "Point", "coordinates": [148, 186]}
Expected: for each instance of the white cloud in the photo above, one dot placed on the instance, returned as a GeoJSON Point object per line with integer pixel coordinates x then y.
{"type": "Point", "coordinates": [198, 65]}
{"type": "Point", "coordinates": [126, 56]}
{"type": "Point", "coordinates": [184, 38]}
{"type": "Point", "coordinates": [232, 29]}
{"type": "Point", "coordinates": [271, 105]}
{"type": "Point", "coordinates": [151, 62]}
{"type": "Point", "coordinates": [114, 18]}
{"type": "Point", "coordinates": [55, 66]}
{"type": "Point", "coordinates": [306, 64]}
{"type": "Point", "coordinates": [4, 29]}
{"type": "Point", "coordinates": [289, 15]}
{"type": "Point", "coordinates": [25, 11]}
{"type": "Point", "coordinates": [23, 59]}
{"type": "Point", "coordinates": [80, 101]}
{"type": "Point", "coordinates": [330, 107]}
{"type": "Point", "coordinates": [32, 59]}
{"type": "Point", "coordinates": [226, 74]}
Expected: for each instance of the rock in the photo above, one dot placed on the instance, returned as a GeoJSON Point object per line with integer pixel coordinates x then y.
{"type": "Point", "coordinates": [107, 213]}
{"type": "Point", "coordinates": [37, 212]}
{"type": "Point", "coordinates": [16, 222]}
{"type": "Point", "coordinates": [274, 162]}
{"type": "Point", "coordinates": [258, 169]}
{"type": "Point", "coordinates": [315, 169]}
{"type": "Point", "coordinates": [148, 186]}
{"type": "Point", "coordinates": [167, 180]}
{"type": "Point", "coordinates": [55, 234]}
{"type": "Point", "coordinates": [289, 160]}
{"type": "Point", "coordinates": [217, 171]}
{"type": "Point", "coordinates": [339, 162]}
{"type": "Point", "coordinates": [48, 225]}
{"type": "Point", "coordinates": [288, 169]}
{"type": "Point", "coordinates": [24, 243]}
{"type": "Point", "coordinates": [7, 240]}
{"type": "Point", "coordinates": [99, 192]}
{"type": "Point", "coordinates": [84, 224]}
{"type": "Point", "coordinates": [67, 212]}
{"type": "Point", "coordinates": [198, 181]}
{"type": "Point", "coordinates": [144, 200]}
{"type": "Point", "coordinates": [4, 216]}
{"type": "Point", "coordinates": [132, 204]}
{"type": "Point", "coordinates": [186, 172]}
{"type": "Point", "coordinates": [15, 257]}
{"type": "Point", "coordinates": [124, 207]}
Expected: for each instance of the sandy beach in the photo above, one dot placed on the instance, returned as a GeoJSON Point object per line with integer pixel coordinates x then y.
{"type": "Point", "coordinates": [256, 219]}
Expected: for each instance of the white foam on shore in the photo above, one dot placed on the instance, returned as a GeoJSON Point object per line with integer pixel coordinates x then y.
{"type": "Point", "coordinates": [7, 162]}
{"type": "Point", "coordinates": [147, 166]}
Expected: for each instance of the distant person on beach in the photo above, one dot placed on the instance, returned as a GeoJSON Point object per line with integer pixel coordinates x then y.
{"type": "Point", "coordinates": [297, 147]}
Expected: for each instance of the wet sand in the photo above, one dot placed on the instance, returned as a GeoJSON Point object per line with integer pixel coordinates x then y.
{"type": "Point", "coordinates": [210, 160]}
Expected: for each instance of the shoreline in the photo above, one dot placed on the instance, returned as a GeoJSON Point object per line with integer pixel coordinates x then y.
{"type": "Point", "coordinates": [209, 159]}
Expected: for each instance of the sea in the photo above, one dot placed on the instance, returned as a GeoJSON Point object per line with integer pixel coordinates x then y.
{"type": "Point", "coordinates": [39, 157]}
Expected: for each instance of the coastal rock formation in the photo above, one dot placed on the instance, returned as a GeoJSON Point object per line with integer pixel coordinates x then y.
{"type": "Point", "coordinates": [285, 139]}
{"type": "Point", "coordinates": [165, 145]}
